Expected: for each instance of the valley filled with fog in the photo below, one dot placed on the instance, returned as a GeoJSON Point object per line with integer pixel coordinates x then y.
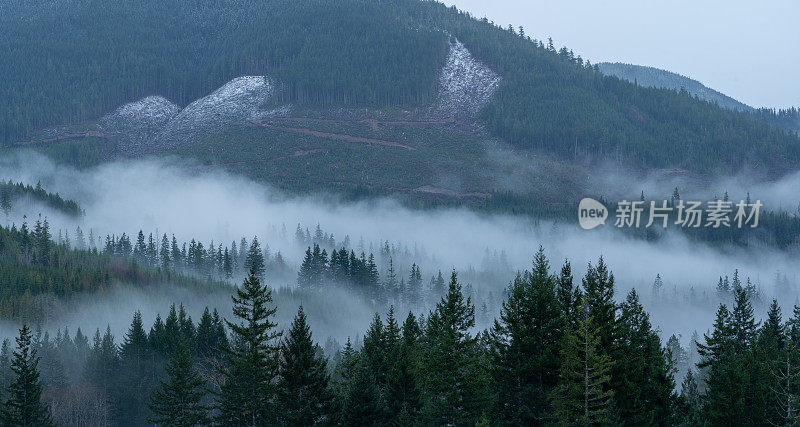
{"type": "Point", "coordinates": [183, 199]}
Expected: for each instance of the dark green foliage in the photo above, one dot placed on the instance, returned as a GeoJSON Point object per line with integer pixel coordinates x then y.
{"type": "Point", "coordinates": [23, 406]}
{"type": "Point", "coordinates": [642, 372]}
{"type": "Point", "coordinates": [348, 52]}
{"type": "Point", "coordinates": [33, 266]}
{"type": "Point", "coordinates": [598, 287]}
{"type": "Point", "coordinates": [247, 396]}
{"type": "Point", "coordinates": [303, 392]}
{"type": "Point", "coordinates": [569, 296]}
{"type": "Point", "coordinates": [255, 259]}
{"type": "Point", "coordinates": [10, 192]}
{"type": "Point", "coordinates": [402, 389]}
{"type": "Point", "coordinates": [363, 403]}
{"type": "Point", "coordinates": [582, 395]}
{"type": "Point", "coordinates": [455, 382]}
{"type": "Point", "coordinates": [136, 365]}
{"type": "Point", "coordinates": [177, 401]}
{"type": "Point", "coordinates": [522, 342]}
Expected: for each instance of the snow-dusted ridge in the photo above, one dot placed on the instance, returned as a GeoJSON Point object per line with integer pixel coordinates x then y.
{"type": "Point", "coordinates": [465, 84]}
{"type": "Point", "coordinates": [154, 123]}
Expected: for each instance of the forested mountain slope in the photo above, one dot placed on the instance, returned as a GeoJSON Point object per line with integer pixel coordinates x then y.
{"type": "Point", "coordinates": [69, 62]}
{"type": "Point", "coordinates": [657, 78]}
{"type": "Point", "coordinates": [788, 119]}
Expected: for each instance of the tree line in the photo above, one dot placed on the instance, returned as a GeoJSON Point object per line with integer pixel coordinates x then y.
{"type": "Point", "coordinates": [561, 353]}
{"type": "Point", "coordinates": [10, 192]}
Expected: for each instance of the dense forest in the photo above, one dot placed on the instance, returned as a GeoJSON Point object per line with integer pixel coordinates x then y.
{"type": "Point", "coordinates": [11, 192]}
{"type": "Point", "coordinates": [36, 271]}
{"type": "Point", "coordinates": [560, 352]}
{"type": "Point", "coordinates": [359, 53]}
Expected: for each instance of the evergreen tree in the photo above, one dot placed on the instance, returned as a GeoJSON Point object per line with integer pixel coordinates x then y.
{"type": "Point", "coordinates": [303, 391]}
{"type": "Point", "coordinates": [164, 253]}
{"type": "Point", "coordinates": [743, 322]}
{"type": "Point", "coordinates": [402, 389]}
{"type": "Point", "coordinates": [248, 394]}
{"type": "Point", "coordinates": [582, 395]}
{"type": "Point", "coordinates": [5, 366]}
{"type": "Point", "coordinates": [363, 404]}
{"type": "Point", "coordinates": [24, 406]}
{"type": "Point", "coordinates": [690, 400]}
{"type": "Point", "coordinates": [254, 260]}
{"type": "Point", "coordinates": [569, 296]}
{"type": "Point", "coordinates": [390, 283]}
{"type": "Point", "coordinates": [726, 382]}
{"type": "Point", "coordinates": [177, 401]}
{"type": "Point", "coordinates": [453, 375]}
{"type": "Point", "coordinates": [642, 372]}
{"type": "Point", "coordinates": [524, 345]}
{"type": "Point", "coordinates": [598, 285]}
{"type": "Point", "coordinates": [413, 290]}
{"type": "Point", "coordinates": [135, 373]}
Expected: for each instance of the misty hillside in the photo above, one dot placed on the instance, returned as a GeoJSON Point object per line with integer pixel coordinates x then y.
{"type": "Point", "coordinates": [657, 78]}
{"type": "Point", "coordinates": [368, 96]}
{"type": "Point", "coordinates": [788, 119]}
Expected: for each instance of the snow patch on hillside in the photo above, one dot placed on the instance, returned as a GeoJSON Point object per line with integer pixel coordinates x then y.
{"type": "Point", "coordinates": [153, 123]}
{"type": "Point", "coordinates": [140, 119]}
{"type": "Point", "coordinates": [465, 84]}
{"type": "Point", "coordinates": [236, 102]}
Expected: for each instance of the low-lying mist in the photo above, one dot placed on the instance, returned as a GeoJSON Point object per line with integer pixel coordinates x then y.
{"type": "Point", "coordinates": [173, 196]}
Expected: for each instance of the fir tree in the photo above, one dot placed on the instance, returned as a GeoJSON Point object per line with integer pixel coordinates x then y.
{"type": "Point", "coordinates": [177, 401]}
{"type": "Point", "coordinates": [523, 346]}
{"type": "Point", "coordinates": [413, 289]}
{"type": "Point", "coordinates": [569, 296]}
{"type": "Point", "coordinates": [24, 406]}
{"type": "Point", "coordinates": [582, 395]}
{"type": "Point", "coordinates": [303, 391]}
{"type": "Point", "coordinates": [135, 373]}
{"type": "Point", "coordinates": [642, 372]}
{"type": "Point", "coordinates": [248, 394]}
{"type": "Point", "coordinates": [254, 260]}
{"type": "Point", "coordinates": [453, 376]}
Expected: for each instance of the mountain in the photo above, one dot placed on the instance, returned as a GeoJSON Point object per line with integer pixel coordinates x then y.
{"type": "Point", "coordinates": [657, 78]}
{"type": "Point", "coordinates": [788, 119]}
{"type": "Point", "coordinates": [357, 96]}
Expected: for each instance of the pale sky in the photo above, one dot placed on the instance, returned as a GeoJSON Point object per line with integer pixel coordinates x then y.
{"type": "Point", "coordinates": [749, 50]}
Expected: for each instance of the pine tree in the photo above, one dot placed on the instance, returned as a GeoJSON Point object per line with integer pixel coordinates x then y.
{"type": "Point", "coordinates": [453, 376]}
{"type": "Point", "coordinates": [569, 296]}
{"type": "Point", "coordinates": [413, 289]}
{"type": "Point", "coordinates": [177, 401]}
{"type": "Point", "coordinates": [374, 354]}
{"type": "Point", "coordinates": [743, 322]}
{"type": "Point", "coordinates": [390, 283]}
{"type": "Point", "coordinates": [303, 391]}
{"type": "Point", "coordinates": [524, 344]}
{"type": "Point", "coordinates": [5, 366]}
{"type": "Point", "coordinates": [598, 285]}
{"type": "Point", "coordinates": [786, 392]}
{"type": "Point", "coordinates": [135, 373]}
{"type": "Point", "coordinates": [247, 396]}
{"type": "Point", "coordinates": [582, 395]}
{"type": "Point", "coordinates": [725, 395]}
{"type": "Point", "coordinates": [24, 406]}
{"type": "Point", "coordinates": [402, 389]}
{"type": "Point", "coordinates": [363, 404]}
{"type": "Point", "coordinates": [164, 254]}
{"type": "Point", "coordinates": [690, 400]}
{"type": "Point", "coordinates": [642, 372]}
{"type": "Point", "coordinates": [254, 260]}
{"type": "Point", "coordinates": [102, 364]}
